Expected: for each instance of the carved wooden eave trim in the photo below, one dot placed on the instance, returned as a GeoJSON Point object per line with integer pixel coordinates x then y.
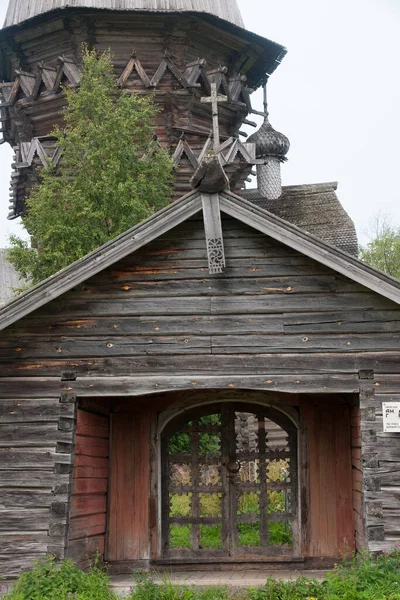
{"type": "Point", "coordinates": [28, 150]}
{"type": "Point", "coordinates": [229, 150]}
{"type": "Point", "coordinates": [49, 78]}
{"type": "Point", "coordinates": [173, 215]}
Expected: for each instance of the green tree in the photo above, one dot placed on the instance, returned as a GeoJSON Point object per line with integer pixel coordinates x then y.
{"type": "Point", "coordinates": [111, 174]}
{"type": "Point", "coordinates": [383, 251]}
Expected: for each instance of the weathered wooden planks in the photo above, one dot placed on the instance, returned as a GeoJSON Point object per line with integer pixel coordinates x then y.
{"type": "Point", "coordinates": [120, 343]}
{"type": "Point", "coordinates": [331, 505]}
{"type": "Point", "coordinates": [87, 512]}
{"type": "Point", "coordinates": [129, 509]}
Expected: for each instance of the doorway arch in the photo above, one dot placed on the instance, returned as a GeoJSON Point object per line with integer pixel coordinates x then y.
{"type": "Point", "coordinates": [229, 483]}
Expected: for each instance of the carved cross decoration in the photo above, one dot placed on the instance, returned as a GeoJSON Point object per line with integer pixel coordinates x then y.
{"type": "Point", "coordinates": [214, 99]}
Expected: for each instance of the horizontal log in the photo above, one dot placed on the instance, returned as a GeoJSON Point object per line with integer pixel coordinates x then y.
{"type": "Point", "coordinates": [155, 326]}
{"type": "Point", "coordinates": [310, 343]}
{"type": "Point", "coordinates": [19, 375]}
{"type": "Point", "coordinates": [344, 319]}
{"type": "Point", "coordinates": [278, 301]}
{"type": "Point", "coordinates": [14, 564]}
{"type": "Point", "coordinates": [42, 479]}
{"type": "Point", "coordinates": [35, 458]}
{"type": "Point", "coordinates": [28, 499]}
{"type": "Point", "coordinates": [313, 383]}
{"type": "Point", "coordinates": [23, 543]}
{"type": "Point", "coordinates": [387, 384]}
{"type": "Point", "coordinates": [216, 287]}
{"type": "Point", "coordinates": [112, 345]}
{"type": "Point", "coordinates": [31, 435]}
{"type": "Point", "coordinates": [34, 410]}
{"type": "Point", "coordinates": [33, 519]}
{"type": "Point", "coordinates": [297, 302]}
{"type": "Point", "coordinates": [197, 344]}
{"type": "Point", "coordinates": [154, 269]}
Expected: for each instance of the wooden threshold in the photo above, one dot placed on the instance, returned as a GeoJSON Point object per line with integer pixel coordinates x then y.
{"type": "Point", "coordinates": [228, 560]}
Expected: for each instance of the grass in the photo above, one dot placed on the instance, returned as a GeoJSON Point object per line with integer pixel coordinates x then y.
{"type": "Point", "coordinates": [361, 578]}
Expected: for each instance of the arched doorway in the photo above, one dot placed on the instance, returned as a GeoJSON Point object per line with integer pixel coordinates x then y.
{"type": "Point", "coordinates": [230, 483]}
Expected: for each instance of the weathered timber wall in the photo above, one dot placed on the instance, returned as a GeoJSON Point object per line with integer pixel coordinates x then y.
{"type": "Point", "coordinates": [157, 321]}
{"type": "Point", "coordinates": [36, 442]}
{"type": "Point", "coordinates": [87, 523]}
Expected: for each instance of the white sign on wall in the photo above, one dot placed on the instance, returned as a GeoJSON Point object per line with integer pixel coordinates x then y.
{"type": "Point", "coordinates": [391, 416]}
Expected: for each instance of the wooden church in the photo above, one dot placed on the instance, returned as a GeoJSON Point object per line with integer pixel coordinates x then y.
{"type": "Point", "coordinates": [208, 388]}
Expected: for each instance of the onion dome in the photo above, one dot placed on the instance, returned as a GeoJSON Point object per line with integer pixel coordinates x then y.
{"type": "Point", "coordinates": [270, 142]}
{"type": "Point", "coordinates": [22, 10]}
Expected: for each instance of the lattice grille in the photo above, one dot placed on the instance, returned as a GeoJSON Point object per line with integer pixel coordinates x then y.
{"type": "Point", "coordinates": [230, 487]}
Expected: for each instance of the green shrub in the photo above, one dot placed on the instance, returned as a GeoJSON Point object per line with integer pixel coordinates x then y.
{"type": "Point", "coordinates": [361, 578]}
{"type": "Point", "coordinates": [147, 589]}
{"type": "Point", "coordinates": [64, 581]}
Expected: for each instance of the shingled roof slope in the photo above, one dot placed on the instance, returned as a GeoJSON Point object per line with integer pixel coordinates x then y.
{"type": "Point", "coordinates": [22, 10]}
{"type": "Point", "coordinates": [315, 208]}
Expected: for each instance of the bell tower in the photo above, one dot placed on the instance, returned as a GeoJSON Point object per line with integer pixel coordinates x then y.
{"type": "Point", "coordinates": [178, 50]}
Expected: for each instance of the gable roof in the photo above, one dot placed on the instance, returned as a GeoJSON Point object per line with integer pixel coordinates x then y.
{"type": "Point", "coordinates": [178, 212]}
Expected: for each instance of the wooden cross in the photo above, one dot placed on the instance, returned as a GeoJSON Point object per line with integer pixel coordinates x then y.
{"type": "Point", "coordinates": [214, 99]}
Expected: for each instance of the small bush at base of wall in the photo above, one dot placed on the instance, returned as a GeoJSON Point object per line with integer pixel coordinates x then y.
{"type": "Point", "coordinates": [64, 581]}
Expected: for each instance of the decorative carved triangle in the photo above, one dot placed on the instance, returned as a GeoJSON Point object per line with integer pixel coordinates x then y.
{"type": "Point", "coordinates": [184, 148]}
{"type": "Point", "coordinates": [213, 233]}
{"type": "Point", "coordinates": [238, 90]}
{"type": "Point", "coordinates": [49, 76]}
{"type": "Point", "coordinates": [134, 64]}
{"type": "Point", "coordinates": [5, 92]}
{"type": "Point", "coordinates": [195, 75]}
{"type": "Point", "coordinates": [27, 82]}
{"type": "Point", "coordinates": [218, 76]}
{"type": "Point", "coordinates": [167, 63]}
{"type": "Point", "coordinates": [67, 70]}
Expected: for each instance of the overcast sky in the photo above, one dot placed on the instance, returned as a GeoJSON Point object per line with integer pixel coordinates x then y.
{"type": "Point", "coordinates": [336, 96]}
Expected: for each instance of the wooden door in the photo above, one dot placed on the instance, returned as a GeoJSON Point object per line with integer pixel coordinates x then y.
{"type": "Point", "coordinates": [229, 484]}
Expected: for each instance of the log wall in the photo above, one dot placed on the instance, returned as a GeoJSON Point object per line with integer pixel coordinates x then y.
{"type": "Point", "coordinates": [274, 320]}
{"type": "Point", "coordinates": [36, 444]}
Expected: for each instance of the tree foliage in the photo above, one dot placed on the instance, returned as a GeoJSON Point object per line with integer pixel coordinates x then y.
{"type": "Point", "coordinates": [111, 174]}
{"type": "Point", "coordinates": [383, 251]}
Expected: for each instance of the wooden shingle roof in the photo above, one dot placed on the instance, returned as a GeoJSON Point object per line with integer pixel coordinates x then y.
{"type": "Point", "coordinates": [22, 10]}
